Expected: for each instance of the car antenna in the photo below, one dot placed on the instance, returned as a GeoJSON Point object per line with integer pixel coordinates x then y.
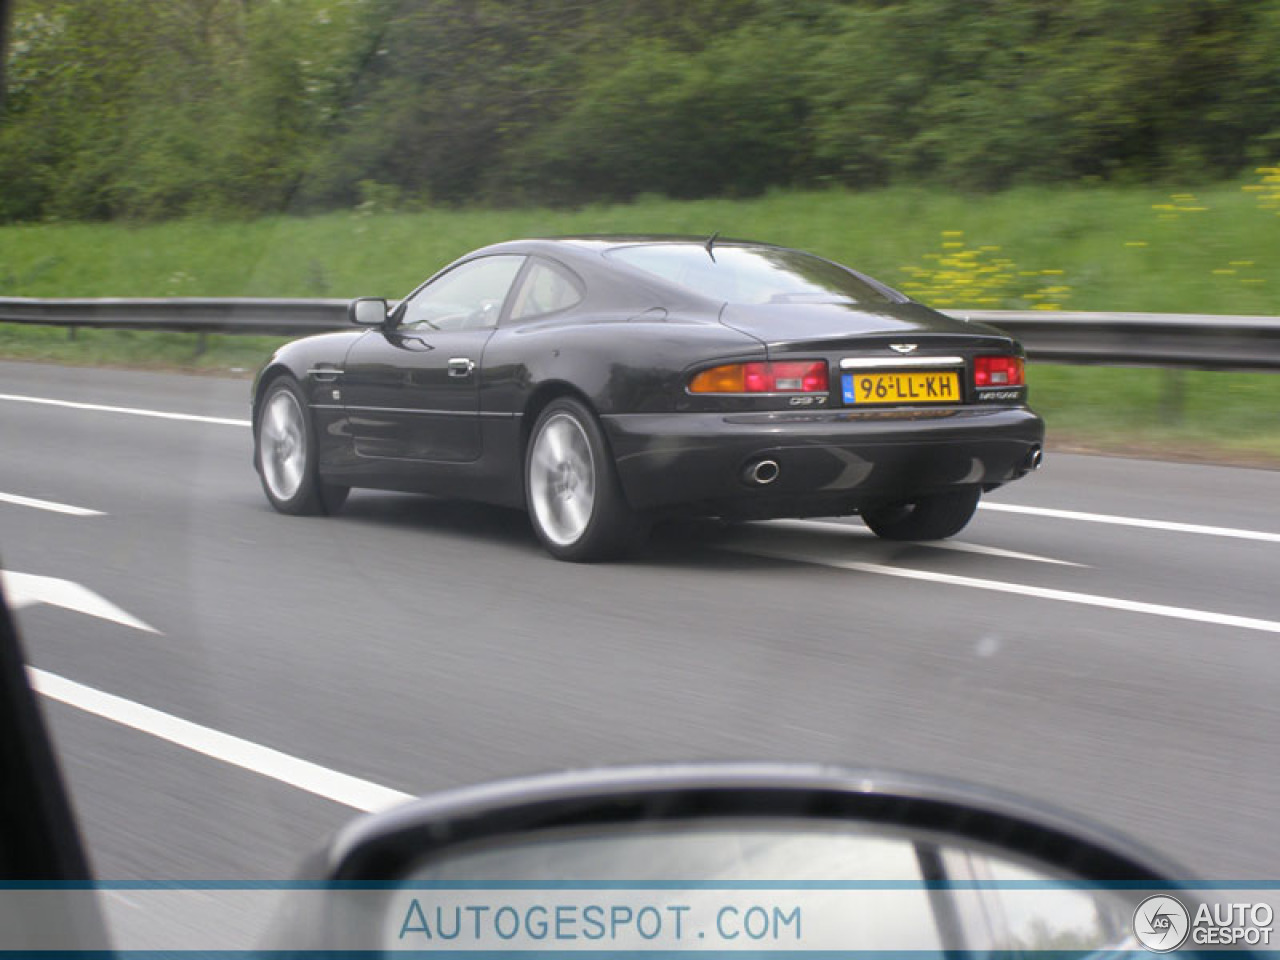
{"type": "Point", "coordinates": [710, 243]}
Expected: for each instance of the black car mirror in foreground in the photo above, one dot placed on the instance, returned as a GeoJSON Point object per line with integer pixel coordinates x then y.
{"type": "Point", "coordinates": [368, 312]}
{"type": "Point", "coordinates": [776, 858]}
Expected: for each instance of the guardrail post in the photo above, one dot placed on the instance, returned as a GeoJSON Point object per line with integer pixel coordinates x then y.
{"type": "Point", "coordinates": [1173, 395]}
{"type": "Point", "coordinates": [202, 342]}
{"type": "Point", "coordinates": [71, 332]}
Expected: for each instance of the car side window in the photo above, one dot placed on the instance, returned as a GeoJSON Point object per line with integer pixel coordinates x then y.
{"type": "Point", "coordinates": [468, 297]}
{"type": "Point", "coordinates": [546, 289]}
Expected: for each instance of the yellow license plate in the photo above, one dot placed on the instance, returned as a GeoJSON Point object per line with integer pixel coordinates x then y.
{"type": "Point", "coordinates": [913, 387]}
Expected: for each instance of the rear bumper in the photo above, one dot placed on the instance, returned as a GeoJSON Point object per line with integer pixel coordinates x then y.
{"type": "Point", "coordinates": [829, 462]}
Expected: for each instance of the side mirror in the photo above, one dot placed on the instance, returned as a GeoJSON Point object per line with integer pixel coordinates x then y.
{"type": "Point", "coordinates": [711, 857]}
{"type": "Point", "coordinates": [368, 312]}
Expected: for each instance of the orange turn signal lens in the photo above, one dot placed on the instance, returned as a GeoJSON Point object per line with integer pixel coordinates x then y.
{"type": "Point", "coordinates": [730, 378]}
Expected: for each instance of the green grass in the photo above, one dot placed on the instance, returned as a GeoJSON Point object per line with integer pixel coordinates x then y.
{"type": "Point", "coordinates": [1083, 232]}
{"type": "Point", "coordinates": [1104, 248]}
{"type": "Point", "coordinates": [1189, 415]}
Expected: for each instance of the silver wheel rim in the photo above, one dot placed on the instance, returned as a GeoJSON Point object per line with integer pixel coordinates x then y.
{"type": "Point", "coordinates": [282, 441]}
{"type": "Point", "coordinates": [562, 479]}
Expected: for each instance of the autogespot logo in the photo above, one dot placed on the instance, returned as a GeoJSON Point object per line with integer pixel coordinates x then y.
{"type": "Point", "coordinates": [1161, 923]}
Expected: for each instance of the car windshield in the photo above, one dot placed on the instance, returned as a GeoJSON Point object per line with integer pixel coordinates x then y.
{"type": "Point", "coordinates": [752, 275]}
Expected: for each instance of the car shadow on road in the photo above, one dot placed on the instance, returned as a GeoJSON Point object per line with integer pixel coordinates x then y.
{"type": "Point", "coordinates": [689, 543]}
{"type": "Point", "coordinates": [461, 518]}
{"type": "Point", "coordinates": [703, 543]}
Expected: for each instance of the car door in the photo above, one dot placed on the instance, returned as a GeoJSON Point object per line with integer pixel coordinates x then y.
{"type": "Point", "coordinates": [411, 391]}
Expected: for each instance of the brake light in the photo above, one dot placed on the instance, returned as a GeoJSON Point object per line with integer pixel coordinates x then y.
{"type": "Point", "coordinates": [789, 376]}
{"type": "Point", "coordinates": [998, 372]}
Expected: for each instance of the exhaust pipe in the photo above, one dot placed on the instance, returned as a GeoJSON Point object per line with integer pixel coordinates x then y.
{"type": "Point", "coordinates": [762, 472]}
{"type": "Point", "coordinates": [1034, 459]}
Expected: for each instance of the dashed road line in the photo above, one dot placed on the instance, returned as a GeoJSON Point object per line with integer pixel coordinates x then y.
{"type": "Point", "coordinates": [132, 411]}
{"type": "Point", "coordinates": [1020, 589]}
{"type": "Point", "coordinates": [954, 545]}
{"type": "Point", "coordinates": [311, 777]}
{"type": "Point", "coordinates": [1168, 525]}
{"type": "Point", "coordinates": [49, 505]}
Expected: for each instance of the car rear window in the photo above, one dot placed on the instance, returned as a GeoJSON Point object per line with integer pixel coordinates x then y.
{"type": "Point", "coordinates": [752, 275]}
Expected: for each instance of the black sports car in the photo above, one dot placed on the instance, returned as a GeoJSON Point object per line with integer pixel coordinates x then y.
{"type": "Point", "coordinates": [604, 382]}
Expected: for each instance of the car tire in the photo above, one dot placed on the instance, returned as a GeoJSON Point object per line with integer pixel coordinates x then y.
{"type": "Point", "coordinates": [572, 490]}
{"type": "Point", "coordinates": [287, 456]}
{"type": "Point", "coordinates": [928, 518]}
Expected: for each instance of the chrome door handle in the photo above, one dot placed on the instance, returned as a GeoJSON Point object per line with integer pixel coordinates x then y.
{"type": "Point", "coordinates": [461, 366]}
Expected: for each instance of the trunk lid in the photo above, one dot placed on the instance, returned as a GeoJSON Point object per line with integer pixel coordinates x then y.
{"type": "Point", "coordinates": [889, 354]}
{"type": "Point", "coordinates": [833, 327]}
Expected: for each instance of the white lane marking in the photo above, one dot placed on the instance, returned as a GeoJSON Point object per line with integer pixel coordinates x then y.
{"type": "Point", "coordinates": [49, 505]}
{"type": "Point", "coordinates": [955, 545]}
{"type": "Point", "coordinates": [1134, 522]}
{"type": "Point", "coordinates": [134, 411]}
{"type": "Point", "coordinates": [971, 548]}
{"type": "Point", "coordinates": [311, 777]}
{"type": "Point", "coordinates": [997, 586]}
{"type": "Point", "coordinates": [27, 589]}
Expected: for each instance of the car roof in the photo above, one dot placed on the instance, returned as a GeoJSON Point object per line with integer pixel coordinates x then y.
{"type": "Point", "coordinates": [599, 243]}
{"type": "Point", "coordinates": [586, 251]}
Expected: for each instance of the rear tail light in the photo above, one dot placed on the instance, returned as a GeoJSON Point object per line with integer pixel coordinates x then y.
{"type": "Point", "coordinates": [998, 372]}
{"type": "Point", "coordinates": [789, 376]}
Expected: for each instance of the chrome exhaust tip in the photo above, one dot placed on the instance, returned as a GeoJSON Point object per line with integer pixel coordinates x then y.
{"type": "Point", "coordinates": [1035, 459]}
{"type": "Point", "coordinates": [762, 472]}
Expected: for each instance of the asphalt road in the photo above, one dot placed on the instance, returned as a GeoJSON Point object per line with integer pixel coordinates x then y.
{"type": "Point", "coordinates": [418, 644]}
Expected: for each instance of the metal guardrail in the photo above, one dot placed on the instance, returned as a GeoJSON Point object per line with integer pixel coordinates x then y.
{"type": "Point", "coordinates": [253, 315]}
{"type": "Point", "coordinates": [1176, 340]}
{"type": "Point", "coordinates": [1191, 341]}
